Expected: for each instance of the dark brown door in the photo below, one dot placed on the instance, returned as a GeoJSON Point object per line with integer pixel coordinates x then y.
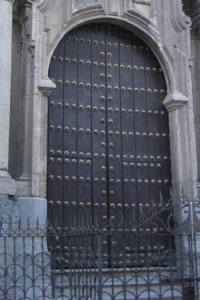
{"type": "Point", "coordinates": [108, 139]}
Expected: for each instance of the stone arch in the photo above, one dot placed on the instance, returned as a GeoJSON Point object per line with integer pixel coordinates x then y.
{"type": "Point", "coordinates": [178, 100]}
{"type": "Point", "coordinates": [150, 37]}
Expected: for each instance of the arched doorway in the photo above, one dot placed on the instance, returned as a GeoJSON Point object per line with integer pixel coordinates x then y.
{"type": "Point", "coordinates": [108, 138]}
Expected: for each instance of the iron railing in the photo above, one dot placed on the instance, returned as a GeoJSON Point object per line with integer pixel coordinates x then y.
{"type": "Point", "coordinates": [157, 259]}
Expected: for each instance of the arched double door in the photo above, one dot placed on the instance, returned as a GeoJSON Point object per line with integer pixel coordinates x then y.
{"type": "Point", "coordinates": [108, 138]}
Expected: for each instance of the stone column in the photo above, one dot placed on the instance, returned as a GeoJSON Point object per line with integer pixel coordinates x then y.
{"type": "Point", "coordinates": [7, 184]}
{"type": "Point", "coordinates": [182, 144]}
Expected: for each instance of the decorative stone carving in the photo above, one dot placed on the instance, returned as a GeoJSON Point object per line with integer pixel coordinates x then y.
{"type": "Point", "coordinates": [137, 7]}
{"type": "Point", "coordinates": [179, 20]}
{"type": "Point", "coordinates": [82, 4]}
{"type": "Point", "coordinates": [44, 5]}
{"type": "Point", "coordinates": [114, 7]}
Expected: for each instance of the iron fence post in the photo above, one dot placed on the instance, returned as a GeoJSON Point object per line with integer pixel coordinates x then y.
{"type": "Point", "coordinates": [100, 296]}
{"type": "Point", "coordinates": [194, 254]}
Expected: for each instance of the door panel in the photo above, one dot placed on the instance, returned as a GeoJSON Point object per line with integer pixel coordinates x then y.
{"type": "Point", "coordinates": [108, 138]}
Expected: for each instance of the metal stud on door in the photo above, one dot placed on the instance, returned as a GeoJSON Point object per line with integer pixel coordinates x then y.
{"type": "Point", "coordinates": [108, 134]}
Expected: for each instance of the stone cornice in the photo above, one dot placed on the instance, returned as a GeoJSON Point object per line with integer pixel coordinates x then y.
{"type": "Point", "coordinates": [46, 87]}
{"type": "Point", "coordinates": [175, 101]}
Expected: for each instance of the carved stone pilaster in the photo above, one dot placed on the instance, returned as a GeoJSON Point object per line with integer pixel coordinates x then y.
{"type": "Point", "coordinates": [39, 150]}
{"type": "Point", "coordinates": [22, 127]}
{"type": "Point", "coordinates": [7, 184]}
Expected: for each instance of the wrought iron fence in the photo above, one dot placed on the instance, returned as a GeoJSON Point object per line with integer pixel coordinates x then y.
{"type": "Point", "coordinates": [157, 259]}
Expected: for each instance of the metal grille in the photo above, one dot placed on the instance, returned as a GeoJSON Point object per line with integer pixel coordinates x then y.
{"type": "Point", "coordinates": [108, 145]}
{"type": "Point", "coordinates": [30, 270]}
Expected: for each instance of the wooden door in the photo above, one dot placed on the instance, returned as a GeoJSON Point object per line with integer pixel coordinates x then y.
{"type": "Point", "coordinates": [108, 137]}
